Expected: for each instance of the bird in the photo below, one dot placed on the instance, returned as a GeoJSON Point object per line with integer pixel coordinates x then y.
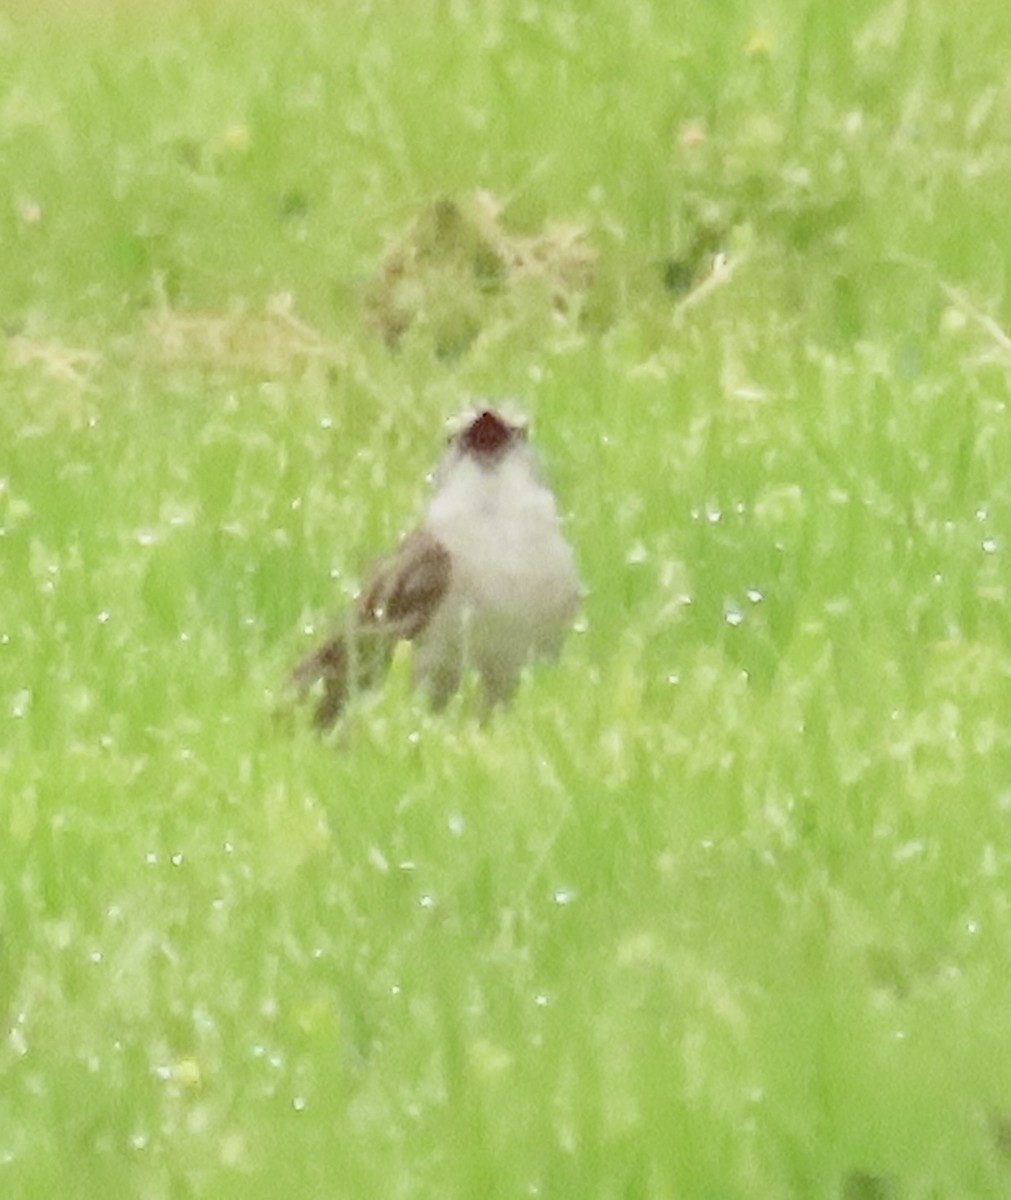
{"type": "Point", "coordinates": [487, 581]}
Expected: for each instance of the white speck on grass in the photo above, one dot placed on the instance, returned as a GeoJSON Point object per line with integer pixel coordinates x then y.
{"type": "Point", "coordinates": [378, 859]}
{"type": "Point", "coordinates": [907, 851]}
{"type": "Point", "coordinates": [457, 825]}
{"type": "Point", "coordinates": [298, 1103]}
{"type": "Point", "coordinates": [989, 545]}
{"type": "Point", "coordinates": [733, 615]}
{"type": "Point", "coordinates": [177, 859]}
{"type": "Point", "coordinates": [563, 896]}
{"type": "Point", "coordinates": [754, 595]}
{"type": "Point", "coordinates": [21, 703]}
{"type": "Point", "coordinates": [989, 865]}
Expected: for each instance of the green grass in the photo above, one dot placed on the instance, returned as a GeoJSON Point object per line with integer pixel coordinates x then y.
{"type": "Point", "coordinates": [721, 905]}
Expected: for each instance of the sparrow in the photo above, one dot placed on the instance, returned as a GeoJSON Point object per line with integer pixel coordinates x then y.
{"type": "Point", "coordinates": [487, 581]}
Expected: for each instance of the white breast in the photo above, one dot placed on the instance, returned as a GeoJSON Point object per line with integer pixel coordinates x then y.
{"type": "Point", "coordinates": [514, 589]}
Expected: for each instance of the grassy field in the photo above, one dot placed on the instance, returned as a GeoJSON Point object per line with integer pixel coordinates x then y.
{"type": "Point", "coordinates": [720, 907]}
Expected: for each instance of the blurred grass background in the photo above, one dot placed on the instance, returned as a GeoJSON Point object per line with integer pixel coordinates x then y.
{"type": "Point", "coordinates": [720, 906]}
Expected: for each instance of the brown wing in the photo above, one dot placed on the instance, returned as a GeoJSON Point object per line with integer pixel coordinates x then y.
{"type": "Point", "coordinates": [397, 605]}
{"type": "Point", "coordinates": [407, 587]}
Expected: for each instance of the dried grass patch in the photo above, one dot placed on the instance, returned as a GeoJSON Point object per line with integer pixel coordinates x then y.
{"type": "Point", "coordinates": [274, 341]}
{"type": "Point", "coordinates": [457, 267]}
